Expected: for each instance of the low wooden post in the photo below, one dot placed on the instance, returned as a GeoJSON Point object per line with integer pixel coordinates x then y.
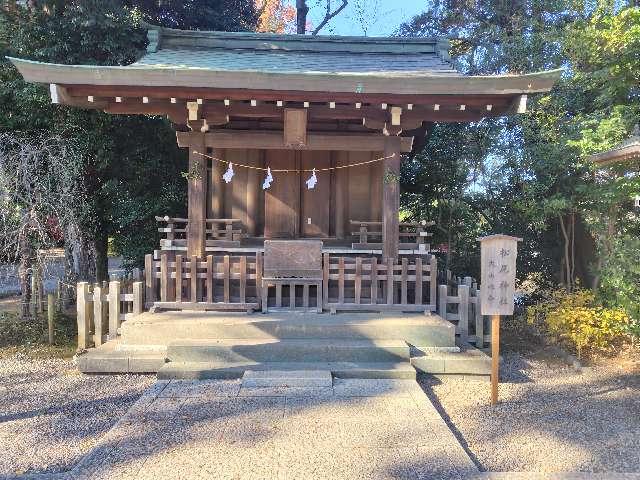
{"type": "Point", "coordinates": [149, 280]}
{"type": "Point", "coordinates": [463, 312]}
{"type": "Point", "coordinates": [50, 315]}
{"type": "Point", "coordinates": [495, 357]}
{"type": "Point", "coordinates": [114, 309]}
{"type": "Point", "coordinates": [85, 313]}
{"type": "Point", "coordinates": [99, 314]}
{"type": "Point", "coordinates": [138, 298]}
{"type": "Point", "coordinates": [443, 293]}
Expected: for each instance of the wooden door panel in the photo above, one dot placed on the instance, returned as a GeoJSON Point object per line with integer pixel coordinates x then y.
{"type": "Point", "coordinates": [315, 202]}
{"type": "Point", "coordinates": [282, 199]}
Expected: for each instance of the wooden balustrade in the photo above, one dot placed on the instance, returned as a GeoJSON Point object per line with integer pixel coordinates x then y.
{"type": "Point", "coordinates": [220, 232]}
{"type": "Point", "coordinates": [219, 282]}
{"type": "Point", "coordinates": [369, 284]}
{"type": "Point", "coordinates": [101, 308]}
{"type": "Point", "coordinates": [412, 235]}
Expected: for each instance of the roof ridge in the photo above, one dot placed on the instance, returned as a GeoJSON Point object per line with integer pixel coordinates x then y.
{"type": "Point", "coordinates": [176, 32]}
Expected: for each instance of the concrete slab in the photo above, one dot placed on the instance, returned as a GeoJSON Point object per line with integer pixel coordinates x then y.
{"type": "Point", "coordinates": [287, 378]}
{"type": "Point", "coordinates": [379, 429]}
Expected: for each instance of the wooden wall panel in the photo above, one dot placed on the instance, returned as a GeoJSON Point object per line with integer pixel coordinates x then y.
{"type": "Point", "coordinates": [215, 203]}
{"type": "Point", "coordinates": [237, 189]}
{"type": "Point", "coordinates": [359, 187]}
{"type": "Point", "coordinates": [316, 202]}
{"type": "Point", "coordinates": [282, 200]}
{"type": "Point", "coordinates": [341, 209]}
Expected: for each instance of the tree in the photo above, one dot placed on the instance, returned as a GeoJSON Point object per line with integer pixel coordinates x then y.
{"type": "Point", "coordinates": [222, 15]}
{"type": "Point", "coordinates": [275, 16]}
{"type": "Point", "coordinates": [529, 175]}
{"type": "Point", "coordinates": [123, 201]}
{"type": "Point", "coordinates": [41, 198]}
{"type": "Point", "coordinates": [330, 12]}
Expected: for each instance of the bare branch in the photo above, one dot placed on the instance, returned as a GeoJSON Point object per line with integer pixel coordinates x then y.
{"type": "Point", "coordinates": [329, 15]}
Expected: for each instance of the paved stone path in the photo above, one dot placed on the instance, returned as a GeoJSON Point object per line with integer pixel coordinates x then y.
{"type": "Point", "coordinates": [369, 429]}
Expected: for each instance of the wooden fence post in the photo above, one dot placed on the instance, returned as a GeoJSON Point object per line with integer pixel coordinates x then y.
{"type": "Point", "coordinates": [99, 314]}
{"type": "Point", "coordinates": [114, 309]}
{"type": "Point", "coordinates": [50, 315]}
{"type": "Point", "coordinates": [463, 312]}
{"type": "Point", "coordinates": [150, 280]}
{"type": "Point", "coordinates": [138, 298]}
{"type": "Point", "coordinates": [85, 313]}
{"type": "Point", "coordinates": [443, 292]}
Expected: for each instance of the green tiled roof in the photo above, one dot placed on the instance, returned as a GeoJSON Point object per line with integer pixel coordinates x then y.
{"type": "Point", "coordinates": [223, 51]}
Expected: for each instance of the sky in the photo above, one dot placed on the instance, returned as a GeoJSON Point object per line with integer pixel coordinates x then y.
{"type": "Point", "coordinates": [377, 17]}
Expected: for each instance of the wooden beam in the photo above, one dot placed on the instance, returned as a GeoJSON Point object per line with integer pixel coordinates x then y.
{"type": "Point", "coordinates": [391, 197]}
{"type": "Point", "coordinates": [197, 194]}
{"type": "Point", "coordinates": [275, 141]}
{"type": "Point", "coordinates": [295, 127]}
{"type": "Point", "coordinates": [78, 90]}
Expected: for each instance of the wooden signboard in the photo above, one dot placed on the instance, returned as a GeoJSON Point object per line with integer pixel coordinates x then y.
{"type": "Point", "coordinates": [498, 255]}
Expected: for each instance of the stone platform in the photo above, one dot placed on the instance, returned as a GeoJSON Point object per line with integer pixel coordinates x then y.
{"type": "Point", "coordinates": [222, 429]}
{"type": "Point", "coordinates": [198, 345]}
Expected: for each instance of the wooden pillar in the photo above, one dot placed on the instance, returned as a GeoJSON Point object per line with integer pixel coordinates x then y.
{"type": "Point", "coordinates": [197, 197]}
{"type": "Point", "coordinates": [390, 198]}
{"type": "Point", "coordinates": [216, 185]}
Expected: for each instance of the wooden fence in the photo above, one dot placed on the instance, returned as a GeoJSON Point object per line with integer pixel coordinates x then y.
{"type": "Point", "coordinates": [369, 284]}
{"type": "Point", "coordinates": [215, 282]}
{"type": "Point", "coordinates": [459, 303]}
{"type": "Point", "coordinates": [103, 307]}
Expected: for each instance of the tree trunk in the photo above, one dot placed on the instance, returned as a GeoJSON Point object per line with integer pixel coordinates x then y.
{"type": "Point", "coordinates": [25, 270]}
{"type": "Point", "coordinates": [80, 256]}
{"type": "Point", "coordinates": [301, 21]}
{"type": "Point", "coordinates": [102, 259]}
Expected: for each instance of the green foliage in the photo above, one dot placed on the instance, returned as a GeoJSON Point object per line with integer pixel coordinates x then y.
{"type": "Point", "coordinates": [130, 164]}
{"type": "Point", "coordinates": [620, 277]}
{"type": "Point", "coordinates": [31, 337]}
{"type": "Point", "coordinates": [529, 175]}
{"type": "Point", "coordinates": [580, 320]}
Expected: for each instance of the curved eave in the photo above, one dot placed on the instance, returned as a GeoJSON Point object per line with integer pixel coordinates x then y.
{"type": "Point", "coordinates": [409, 83]}
{"type": "Point", "coordinates": [625, 154]}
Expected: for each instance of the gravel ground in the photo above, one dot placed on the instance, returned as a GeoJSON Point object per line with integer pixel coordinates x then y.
{"type": "Point", "coordinates": [51, 415]}
{"type": "Point", "coordinates": [550, 419]}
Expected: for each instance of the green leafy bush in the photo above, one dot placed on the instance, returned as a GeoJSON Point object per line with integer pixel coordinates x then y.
{"type": "Point", "coordinates": [580, 320]}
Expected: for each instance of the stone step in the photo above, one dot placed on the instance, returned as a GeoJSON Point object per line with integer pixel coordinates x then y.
{"type": "Point", "coordinates": [112, 357]}
{"type": "Point", "coordinates": [287, 378]}
{"type": "Point", "coordinates": [208, 370]}
{"type": "Point", "coordinates": [289, 350]}
{"type": "Point", "coordinates": [163, 328]}
{"type": "Point", "coordinates": [470, 361]}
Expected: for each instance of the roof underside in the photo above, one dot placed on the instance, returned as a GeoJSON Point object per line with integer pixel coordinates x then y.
{"type": "Point", "coordinates": [248, 76]}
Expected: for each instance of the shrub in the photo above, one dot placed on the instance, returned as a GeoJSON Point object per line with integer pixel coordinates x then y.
{"type": "Point", "coordinates": [580, 320]}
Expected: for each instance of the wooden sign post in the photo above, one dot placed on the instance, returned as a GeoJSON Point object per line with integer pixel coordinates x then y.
{"type": "Point", "coordinates": [498, 255]}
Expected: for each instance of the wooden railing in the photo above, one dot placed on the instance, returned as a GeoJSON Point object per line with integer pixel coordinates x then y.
{"type": "Point", "coordinates": [220, 232]}
{"type": "Point", "coordinates": [103, 307]}
{"type": "Point", "coordinates": [412, 235]}
{"type": "Point", "coordinates": [215, 282]}
{"type": "Point", "coordinates": [459, 303]}
{"type": "Point", "coordinates": [367, 284]}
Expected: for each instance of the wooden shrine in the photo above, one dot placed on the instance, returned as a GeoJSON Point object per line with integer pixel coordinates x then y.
{"type": "Point", "coordinates": [277, 110]}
